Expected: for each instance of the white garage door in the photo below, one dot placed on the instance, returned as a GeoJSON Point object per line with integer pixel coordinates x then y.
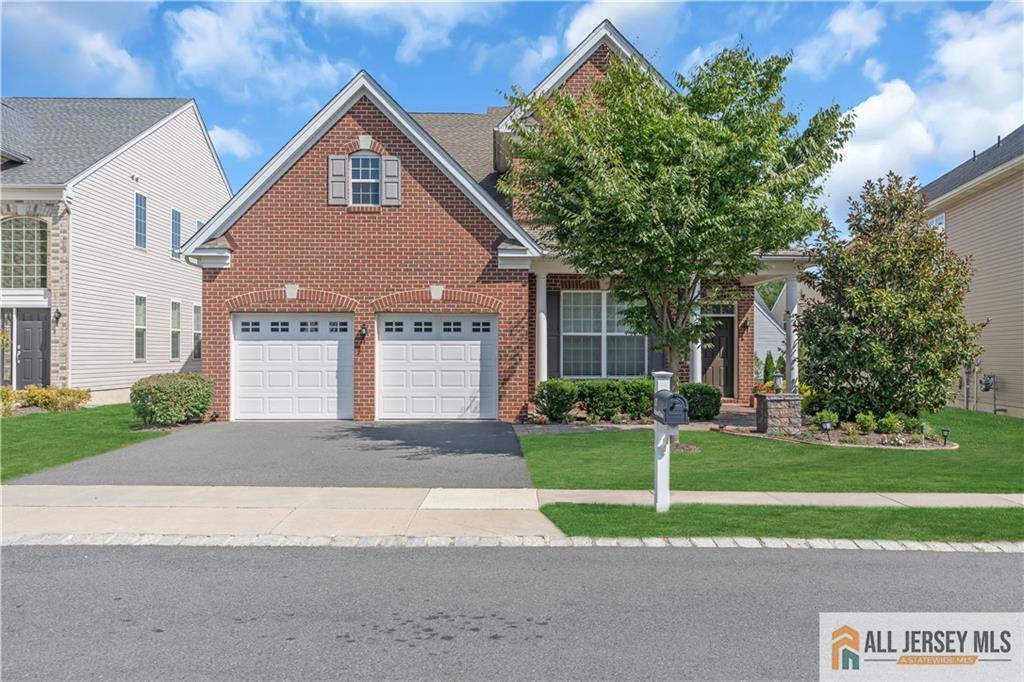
{"type": "Point", "coordinates": [292, 366]}
{"type": "Point", "coordinates": [437, 367]}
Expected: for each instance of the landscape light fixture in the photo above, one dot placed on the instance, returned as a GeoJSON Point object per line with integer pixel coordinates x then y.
{"type": "Point", "coordinates": [777, 381]}
{"type": "Point", "coordinates": [826, 426]}
{"type": "Point", "coordinates": [920, 428]}
{"type": "Point", "coordinates": [945, 435]}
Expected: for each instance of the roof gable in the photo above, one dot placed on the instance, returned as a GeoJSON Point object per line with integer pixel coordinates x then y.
{"type": "Point", "coordinates": [1006, 150]}
{"type": "Point", "coordinates": [362, 85]}
{"type": "Point", "coordinates": [55, 139]}
{"type": "Point", "coordinates": [604, 35]}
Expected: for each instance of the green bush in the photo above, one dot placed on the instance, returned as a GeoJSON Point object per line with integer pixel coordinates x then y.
{"type": "Point", "coordinates": [53, 399]}
{"type": "Point", "coordinates": [911, 424]}
{"type": "Point", "coordinates": [704, 400]}
{"type": "Point", "coordinates": [826, 416]}
{"type": "Point", "coordinates": [172, 398]}
{"type": "Point", "coordinates": [769, 368]}
{"type": "Point", "coordinates": [866, 422]}
{"type": "Point", "coordinates": [555, 399]}
{"type": "Point", "coordinates": [600, 398]}
{"type": "Point", "coordinates": [850, 428]}
{"type": "Point", "coordinates": [890, 423]}
{"type": "Point", "coordinates": [636, 396]}
{"type": "Point", "coordinates": [7, 401]}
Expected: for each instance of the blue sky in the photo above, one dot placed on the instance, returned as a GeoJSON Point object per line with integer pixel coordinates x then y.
{"type": "Point", "coordinates": [929, 81]}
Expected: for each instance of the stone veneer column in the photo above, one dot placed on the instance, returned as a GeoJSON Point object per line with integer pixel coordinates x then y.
{"type": "Point", "coordinates": [58, 278]}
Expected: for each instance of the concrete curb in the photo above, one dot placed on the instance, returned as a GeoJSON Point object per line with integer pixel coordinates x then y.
{"type": "Point", "coordinates": [445, 541]}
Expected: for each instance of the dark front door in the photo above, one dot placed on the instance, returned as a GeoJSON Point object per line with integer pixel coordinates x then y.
{"type": "Point", "coordinates": [719, 357]}
{"type": "Point", "coordinates": [32, 347]}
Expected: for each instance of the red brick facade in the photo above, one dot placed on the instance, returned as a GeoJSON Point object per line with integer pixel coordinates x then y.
{"type": "Point", "coordinates": [367, 261]}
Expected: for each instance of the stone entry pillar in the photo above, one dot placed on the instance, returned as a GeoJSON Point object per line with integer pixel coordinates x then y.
{"type": "Point", "coordinates": [779, 413]}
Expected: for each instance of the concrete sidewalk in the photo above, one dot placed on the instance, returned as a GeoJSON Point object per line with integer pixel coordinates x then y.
{"type": "Point", "coordinates": [371, 512]}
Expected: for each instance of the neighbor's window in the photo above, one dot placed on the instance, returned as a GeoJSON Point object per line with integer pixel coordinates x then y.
{"type": "Point", "coordinates": [596, 341]}
{"type": "Point", "coordinates": [175, 234]}
{"type": "Point", "coordinates": [140, 220]}
{"type": "Point", "coordinates": [175, 330]}
{"type": "Point", "coordinates": [23, 252]}
{"type": "Point", "coordinates": [140, 327]}
{"type": "Point", "coordinates": [197, 331]}
{"type": "Point", "coordinates": [365, 180]}
{"type": "Point", "coordinates": [938, 223]}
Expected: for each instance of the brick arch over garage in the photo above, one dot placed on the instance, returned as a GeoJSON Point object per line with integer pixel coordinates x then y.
{"type": "Point", "coordinates": [306, 300]}
{"type": "Point", "coordinates": [420, 300]}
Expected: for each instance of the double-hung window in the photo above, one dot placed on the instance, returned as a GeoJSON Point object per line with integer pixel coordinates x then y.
{"type": "Point", "coordinates": [140, 327]}
{"type": "Point", "coordinates": [197, 332]}
{"type": "Point", "coordinates": [596, 341]}
{"type": "Point", "coordinates": [140, 220]}
{"type": "Point", "coordinates": [365, 180]}
{"type": "Point", "coordinates": [175, 330]}
{"type": "Point", "coordinates": [175, 233]}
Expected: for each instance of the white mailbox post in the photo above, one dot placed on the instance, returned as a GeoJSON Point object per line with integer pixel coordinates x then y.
{"type": "Point", "coordinates": [662, 443]}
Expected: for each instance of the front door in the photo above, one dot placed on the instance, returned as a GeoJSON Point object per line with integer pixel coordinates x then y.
{"type": "Point", "coordinates": [719, 357]}
{"type": "Point", "coordinates": [32, 347]}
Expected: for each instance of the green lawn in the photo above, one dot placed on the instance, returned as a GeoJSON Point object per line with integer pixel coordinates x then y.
{"type": "Point", "coordinates": [990, 459]}
{"type": "Point", "coordinates": [708, 520]}
{"type": "Point", "coordinates": [40, 441]}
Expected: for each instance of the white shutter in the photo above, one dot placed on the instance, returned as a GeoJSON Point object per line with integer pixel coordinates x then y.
{"type": "Point", "coordinates": [391, 181]}
{"type": "Point", "coordinates": [337, 180]}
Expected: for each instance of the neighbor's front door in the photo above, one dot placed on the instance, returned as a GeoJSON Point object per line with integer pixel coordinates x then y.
{"type": "Point", "coordinates": [719, 357]}
{"type": "Point", "coordinates": [32, 347]}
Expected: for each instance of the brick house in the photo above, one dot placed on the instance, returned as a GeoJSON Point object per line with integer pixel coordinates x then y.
{"type": "Point", "coordinates": [371, 270]}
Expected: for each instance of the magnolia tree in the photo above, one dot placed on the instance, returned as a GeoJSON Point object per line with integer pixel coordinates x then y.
{"type": "Point", "coordinates": [670, 194]}
{"type": "Point", "coordinates": [888, 333]}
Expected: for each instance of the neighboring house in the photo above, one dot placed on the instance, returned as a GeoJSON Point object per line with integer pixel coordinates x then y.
{"type": "Point", "coordinates": [980, 207]}
{"type": "Point", "coordinates": [371, 271]}
{"type": "Point", "coordinates": [98, 195]}
{"type": "Point", "coordinates": [769, 332]}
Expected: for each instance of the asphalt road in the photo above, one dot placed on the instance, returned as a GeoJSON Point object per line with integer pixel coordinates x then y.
{"type": "Point", "coordinates": [272, 613]}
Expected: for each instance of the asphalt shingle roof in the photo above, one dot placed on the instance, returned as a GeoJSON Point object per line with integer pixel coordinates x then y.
{"type": "Point", "coordinates": [469, 138]}
{"type": "Point", "coordinates": [1009, 148]}
{"type": "Point", "coordinates": [61, 136]}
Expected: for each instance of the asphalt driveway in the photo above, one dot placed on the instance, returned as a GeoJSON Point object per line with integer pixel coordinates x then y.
{"type": "Point", "coordinates": [399, 454]}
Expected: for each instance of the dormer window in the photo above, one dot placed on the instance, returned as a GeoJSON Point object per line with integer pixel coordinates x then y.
{"type": "Point", "coordinates": [365, 179]}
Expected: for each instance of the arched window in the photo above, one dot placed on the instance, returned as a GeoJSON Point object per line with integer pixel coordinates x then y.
{"type": "Point", "coordinates": [23, 253]}
{"type": "Point", "coordinates": [365, 179]}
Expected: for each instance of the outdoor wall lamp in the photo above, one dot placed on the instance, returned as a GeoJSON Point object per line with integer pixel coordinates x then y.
{"type": "Point", "coordinates": [57, 314]}
{"type": "Point", "coordinates": [363, 331]}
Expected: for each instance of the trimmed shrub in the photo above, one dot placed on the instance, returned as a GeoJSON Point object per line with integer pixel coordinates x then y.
{"type": "Point", "coordinates": [7, 401]}
{"type": "Point", "coordinates": [850, 428]}
{"type": "Point", "coordinates": [172, 398]}
{"type": "Point", "coordinates": [890, 423]}
{"type": "Point", "coordinates": [705, 401]}
{"type": "Point", "coordinates": [769, 368]}
{"type": "Point", "coordinates": [555, 399]}
{"type": "Point", "coordinates": [53, 399]}
{"type": "Point", "coordinates": [600, 398]}
{"type": "Point", "coordinates": [636, 396]}
{"type": "Point", "coordinates": [866, 422]}
{"type": "Point", "coordinates": [910, 423]}
{"type": "Point", "coordinates": [826, 416]}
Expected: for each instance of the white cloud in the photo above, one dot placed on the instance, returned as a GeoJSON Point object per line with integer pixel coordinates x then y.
{"type": "Point", "coordinates": [80, 43]}
{"type": "Point", "coordinates": [233, 142]}
{"type": "Point", "coordinates": [652, 25]}
{"type": "Point", "coordinates": [760, 15]}
{"type": "Point", "coordinates": [528, 58]}
{"type": "Point", "coordinates": [425, 26]}
{"type": "Point", "coordinates": [850, 30]}
{"type": "Point", "coordinates": [873, 70]}
{"type": "Point", "coordinates": [702, 53]}
{"type": "Point", "coordinates": [250, 49]}
{"type": "Point", "coordinates": [972, 91]}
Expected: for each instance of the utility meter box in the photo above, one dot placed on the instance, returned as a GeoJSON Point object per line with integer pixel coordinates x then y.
{"type": "Point", "coordinates": [671, 409]}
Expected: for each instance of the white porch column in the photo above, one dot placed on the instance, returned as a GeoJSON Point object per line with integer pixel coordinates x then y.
{"type": "Point", "coordinates": [542, 326]}
{"type": "Point", "coordinates": [792, 304]}
{"type": "Point", "coordinates": [696, 359]}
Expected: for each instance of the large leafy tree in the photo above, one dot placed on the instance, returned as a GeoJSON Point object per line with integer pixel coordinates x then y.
{"type": "Point", "coordinates": [888, 333]}
{"type": "Point", "coordinates": [670, 193]}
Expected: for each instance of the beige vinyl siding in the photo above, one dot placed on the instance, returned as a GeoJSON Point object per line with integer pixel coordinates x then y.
{"type": "Point", "coordinates": [175, 168]}
{"type": "Point", "coordinates": [989, 226]}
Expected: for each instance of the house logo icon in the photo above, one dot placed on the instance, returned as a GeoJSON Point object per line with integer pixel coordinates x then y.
{"type": "Point", "coordinates": [845, 648]}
